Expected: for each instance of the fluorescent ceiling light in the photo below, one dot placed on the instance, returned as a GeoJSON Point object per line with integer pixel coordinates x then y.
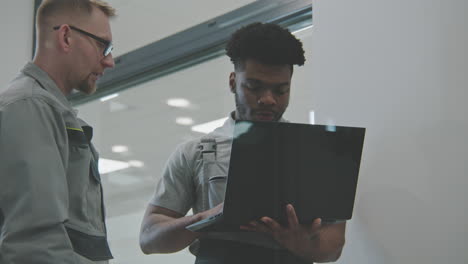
{"type": "Point", "coordinates": [108, 97]}
{"type": "Point", "coordinates": [136, 163]}
{"type": "Point", "coordinates": [184, 121]}
{"type": "Point", "coordinates": [119, 148]}
{"type": "Point", "coordinates": [209, 126]}
{"type": "Point", "coordinates": [108, 166]}
{"type": "Point", "coordinates": [178, 102]}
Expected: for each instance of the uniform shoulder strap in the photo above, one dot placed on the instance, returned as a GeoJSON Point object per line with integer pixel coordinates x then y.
{"type": "Point", "coordinates": [207, 147]}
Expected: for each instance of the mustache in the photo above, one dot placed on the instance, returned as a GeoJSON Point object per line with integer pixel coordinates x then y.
{"type": "Point", "coordinates": [264, 110]}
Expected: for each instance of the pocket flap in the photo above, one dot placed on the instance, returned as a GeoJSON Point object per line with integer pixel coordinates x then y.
{"type": "Point", "coordinates": [76, 136]}
{"type": "Point", "coordinates": [217, 178]}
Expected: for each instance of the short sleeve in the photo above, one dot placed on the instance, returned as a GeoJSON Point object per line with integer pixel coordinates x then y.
{"type": "Point", "coordinates": [175, 190]}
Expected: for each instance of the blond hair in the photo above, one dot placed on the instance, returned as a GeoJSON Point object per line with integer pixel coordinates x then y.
{"type": "Point", "coordinates": [51, 8]}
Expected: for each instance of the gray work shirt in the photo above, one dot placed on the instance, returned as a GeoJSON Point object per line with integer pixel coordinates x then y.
{"type": "Point", "coordinates": [51, 208]}
{"type": "Point", "coordinates": [183, 184]}
{"type": "Point", "coordinates": [188, 181]}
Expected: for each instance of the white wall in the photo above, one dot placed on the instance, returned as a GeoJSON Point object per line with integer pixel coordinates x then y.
{"type": "Point", "coordinates": [16, 29]}
{"type": "Point", "coordinates": [400, 69]}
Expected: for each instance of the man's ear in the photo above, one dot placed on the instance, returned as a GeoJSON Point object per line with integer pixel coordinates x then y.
{"type": "Point", "coordinates": [64, 39]}
{"type": "Point", "coordinates": [232, 82]}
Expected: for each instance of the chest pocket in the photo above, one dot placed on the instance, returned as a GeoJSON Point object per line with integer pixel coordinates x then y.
{"type": "Point", "coordinates": [214, 178]}
{"type": "Point", "coordinates": [84, 180]}
{"type": "Point", "coordinates": [77, 138]}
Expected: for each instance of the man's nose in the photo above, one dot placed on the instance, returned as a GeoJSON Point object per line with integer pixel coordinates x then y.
{"type": "Point", "coordinates": [108, 61]}
{"type": "Point", "coordinates": [267, 98]}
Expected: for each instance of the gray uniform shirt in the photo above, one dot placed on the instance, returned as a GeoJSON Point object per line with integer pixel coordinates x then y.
{"type": "Point", "coordinates": [51, 207]}
{"type": "Point", "coordinates": [183, 185]}
{"type": "Point", "coordinates": [191, 181]}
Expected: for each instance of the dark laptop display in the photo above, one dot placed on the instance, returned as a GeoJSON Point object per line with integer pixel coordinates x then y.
{"type": "Point", "coordinates": [313, 167]}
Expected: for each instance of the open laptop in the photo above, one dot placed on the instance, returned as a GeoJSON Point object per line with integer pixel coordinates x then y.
{"type": "Point", "coordinates": [313, 167]}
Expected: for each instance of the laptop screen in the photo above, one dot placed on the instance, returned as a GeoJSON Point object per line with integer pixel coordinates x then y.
{"type": "Point", "coordinates": [313, 167]}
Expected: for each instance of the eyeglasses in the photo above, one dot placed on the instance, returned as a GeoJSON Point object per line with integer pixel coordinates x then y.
{"type": "Point", "coordinates": [107, 44]}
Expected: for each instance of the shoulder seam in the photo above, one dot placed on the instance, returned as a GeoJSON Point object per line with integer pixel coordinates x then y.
{"type": "Point", "coordinates": [34, 97]}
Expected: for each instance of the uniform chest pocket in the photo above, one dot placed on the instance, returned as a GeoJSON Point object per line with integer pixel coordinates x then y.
{"type": "Point", "coordinates": [85, 183]}
{"type": "Point", "coordinates": [77, 140]}
{"type": "Point", "coordinates": [94, 196]}
{"type": "Point", "coordinates": [216, 190]}
{"type": "Point", "coordinates": [79, 155]}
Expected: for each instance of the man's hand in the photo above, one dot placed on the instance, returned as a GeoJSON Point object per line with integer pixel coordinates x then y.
{"type": "Point", "coordinates": [213, 211]}
{"type": "Point", "coordinates": [163, 230]}
{"type": "Point", "coordinates": [301, 240]}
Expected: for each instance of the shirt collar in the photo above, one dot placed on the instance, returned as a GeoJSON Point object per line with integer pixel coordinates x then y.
{"type": "Point", "coordinates": [227, 128]}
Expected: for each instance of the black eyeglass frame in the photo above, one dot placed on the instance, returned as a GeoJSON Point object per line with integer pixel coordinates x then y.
{"type": "Point", "coordinates": [108, 45]}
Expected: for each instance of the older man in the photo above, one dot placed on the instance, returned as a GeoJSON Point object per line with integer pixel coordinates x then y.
{"type": "Point", "coordinates": [51, 208]}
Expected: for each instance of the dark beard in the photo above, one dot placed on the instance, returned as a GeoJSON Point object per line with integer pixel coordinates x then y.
{"type": "Point", "coordinates": [242, 110]}
{"type": "Point", "coordinates": [85, 87]}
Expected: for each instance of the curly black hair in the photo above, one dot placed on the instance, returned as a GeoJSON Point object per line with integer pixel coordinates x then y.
{"type": "Point", "coordinates": [267, 43]}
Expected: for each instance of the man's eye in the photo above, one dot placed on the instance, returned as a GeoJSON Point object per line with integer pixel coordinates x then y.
{"type": "Point", "coordinates": [255, 88]}
{"type": "Point", "coordinates": [252, 87]}
{"type": "Point", "coordinates": [281, 91]}
{"type": "Point", "coordinates": [102, 45]}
